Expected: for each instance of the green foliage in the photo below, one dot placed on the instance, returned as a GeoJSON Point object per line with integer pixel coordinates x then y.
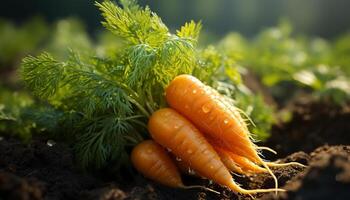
{"type": "Point", "coordinates": [68, 34]}
{"type": "Point", "coordinates": [110, 95]}
{"type": "Point", "coordinates": [109, 45]}
{"type": "Point", "coordinates": [12, 105]}
{"type": "Point", "coordinates": [135, 25]}
{"type": "Point", "coordinates": [280, 59]}
{"type": "Point", "coordinates": [15, 41]}
{"type": "Point", "coordinates": [340, 53]}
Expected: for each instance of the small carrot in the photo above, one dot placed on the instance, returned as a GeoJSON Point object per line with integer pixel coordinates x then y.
{"type": "Point", "coordinates": [229, 162]}
{"type": "Point", "coordinates": [171, 130]}
{"type": "Point", "coordinates": [209, 112]}
{"type": "Point", "coordinates": [151, 160]}
{"type": "Point", "coordinates": [244, 164]}
{"type": "Point", "coordinates": [234, 162]}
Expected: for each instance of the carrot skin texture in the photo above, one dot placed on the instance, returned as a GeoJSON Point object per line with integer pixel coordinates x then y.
{"type": "Point", "coordinates": [246, 164]}
{"type": "Point", "coordinates": [171, 130]}
{"type": "Point", "coordinates": [204, 107]}
{"type": "Point", "coordinates": [229, 162]}
{"type": "Point", "coordinates": [151, 160]}
{"type": "Point", "coordinates": [235, 162]}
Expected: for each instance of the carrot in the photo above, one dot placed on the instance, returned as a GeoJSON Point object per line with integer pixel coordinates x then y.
{"type": "Point", "coordinates": [171, 130]}
{"type": "Point", "coordinates": [209, 112]}
{"type": "Point", "coordinates": [267, 149]}
{"type": "Point", "coordinates": [244, 164]}
{"type": "Point", "coordinates": [229, 162]}
{"type": "Point", "coordinates": [234, 162]}
{"type": "Point", "coordinates": [151, 160]}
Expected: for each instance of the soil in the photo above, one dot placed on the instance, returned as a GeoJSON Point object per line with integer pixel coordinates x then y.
{"type": "Point", "coordinates": [318, 136]}
{"type": "Point", "coordinates": [313, 125]}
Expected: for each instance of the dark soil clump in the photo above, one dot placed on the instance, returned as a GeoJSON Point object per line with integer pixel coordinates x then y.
{"type": "Point", "coordinates": [312, 125]}
{"type": "Point", "coordinates": [327, 177]}
{"type": "Point", "coordinates": [14, 187]}
{"type": "Point", "coordinates": [52, 165]}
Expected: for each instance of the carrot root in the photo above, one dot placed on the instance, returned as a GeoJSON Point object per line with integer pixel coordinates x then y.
{"type": "Point", "coordinates": [267, 149]}
{"type": "Point", "coordinates": [273, 164]}
{"type": "Point", "coordinates": [264, 164]}
{"type": "Point", "coordinates": [240, 190]}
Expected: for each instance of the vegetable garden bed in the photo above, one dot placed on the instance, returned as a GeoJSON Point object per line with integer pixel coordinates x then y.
{"type": "Point", "coordinates": [41, 171]}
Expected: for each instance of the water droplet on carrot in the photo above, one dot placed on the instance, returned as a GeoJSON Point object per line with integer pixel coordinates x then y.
{"type": "Point", "coordinates": [169, 150]}
{"type": "Point", "coordinates": [205, 109]}
{"type": "Point", "coordinates": [176, 126]}
{"type": "Point", "coordinates": [189, 151]}
{"type": "Point", "coordinates": [194, 91]}
{"type": "Point", "coordinates": [178, 159]}
{"type": "Point", "coordinates": [226, 121]}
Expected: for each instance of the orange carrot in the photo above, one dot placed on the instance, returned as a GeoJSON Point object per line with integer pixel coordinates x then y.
{"type": "Point", "coordinates": [229, 162]}
{"type": "Point", "coordinates": [151, 160]}
{"type": "Point", "coordinates": [234, 162]}
{"type": "Point", "coordinates": [204, 107]}
{"type": "Point", "coordinates": [244, 165]}
{"type": "Point", "coordinates": [208, 111]}
{"type": "Point", "coordinates": [174, 132]}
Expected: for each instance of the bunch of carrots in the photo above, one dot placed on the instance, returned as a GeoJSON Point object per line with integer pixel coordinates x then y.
{"type": "Point", "coordinates": [206, 133]}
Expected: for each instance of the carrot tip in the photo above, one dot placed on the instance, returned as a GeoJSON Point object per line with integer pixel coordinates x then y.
{"type": "Point", "coordinates": [255, 191]}
{"type": "Point", "coordinates": [267, 149]}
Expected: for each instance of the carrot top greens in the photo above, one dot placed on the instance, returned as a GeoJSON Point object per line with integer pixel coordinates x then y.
{"type": "Point", "coordinates": [104, 101]}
